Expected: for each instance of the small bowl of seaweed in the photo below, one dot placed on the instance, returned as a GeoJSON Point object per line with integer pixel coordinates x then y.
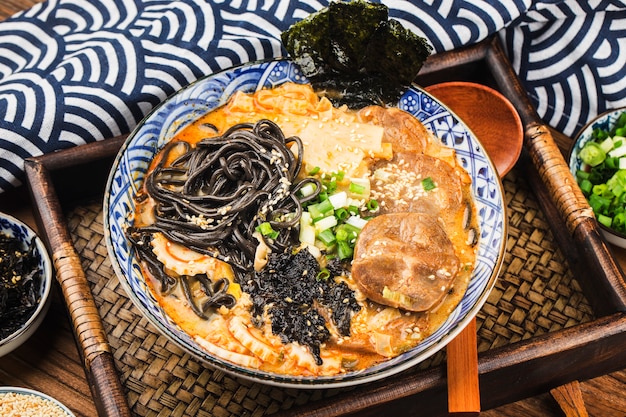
{"type": "Point", "coordinates": [25, 282]}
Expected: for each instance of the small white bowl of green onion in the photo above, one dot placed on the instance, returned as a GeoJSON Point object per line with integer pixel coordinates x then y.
{"type": "Point", "coordinates": [598, 162]}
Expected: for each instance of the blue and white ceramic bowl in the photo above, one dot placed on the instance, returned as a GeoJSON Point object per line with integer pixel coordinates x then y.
{"type": "Point", "coordinates": [604, 121]}
{"type": "Point", "coordinates": [12, 227]}
{"type": "Point", "coordinates": [206, 94]}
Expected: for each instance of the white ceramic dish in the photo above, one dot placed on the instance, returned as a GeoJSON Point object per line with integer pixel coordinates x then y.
{"type": "Point", "coordinates": [21, 393]}
{"type": "Point", "coordinates": [605, 121]}
{"type": "Point", "coordinates": [15, 228]}
{"type": "Point", "coordinates": [206, 94]}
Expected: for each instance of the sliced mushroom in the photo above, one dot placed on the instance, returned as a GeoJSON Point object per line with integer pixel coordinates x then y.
{"type": "Point", "coordinates": [405, 260]}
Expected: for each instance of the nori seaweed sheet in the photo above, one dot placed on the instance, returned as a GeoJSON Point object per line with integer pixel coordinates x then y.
{"type": "Point", "coordinates": [294, 298]}
{"type": "Point", "coordinates": [354, 54]}
{"type": "Point", "coordinates": [20, 280]}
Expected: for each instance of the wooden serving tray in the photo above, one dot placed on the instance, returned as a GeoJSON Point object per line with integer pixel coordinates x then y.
{"type": "Point", "coordinates": [556, 315]}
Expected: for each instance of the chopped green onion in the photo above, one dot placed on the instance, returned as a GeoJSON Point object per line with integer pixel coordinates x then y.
{"type": "Point", "coordinates": [356, 188]}
{"type": "Point", "coordinates": [586, 186]}
{"type": "Point", "coordinates": [344, 250]}
{"type": "Point", "coordinates": [307, 230]}
{"type": "Point", "coordinates": [615, 152]}
{"type": "Point", "coordinates": [267, 230]}
{"type": "Point", "coordinates": [592, 154]}
{"type": "Point", "coordinates": [611, 162]}
{"type": "Point", "coordinates": [314, 171]}
{"type": "Point", "coordinates": [598, 203]}
{"type": "Point", "coordinates": [605, 220]}
{"type": "Point", "coordinates": [329, 181]}
{"type": "Point", "coordinates": [619, 221]}
{"type": "Point", "coordinates": [346, 233]}
{"type": "Point", "coordinates": [341, 235]}
{"type": "Point", "coordinates": [600, 134]}
{"type": "Point", "coordinates": [308, 190]}
{"type": "Point", "coordinates": [372, 205]}
{"type": "Point", "coordinates": [359, 188]}
{"type": "Point", "coordinates": [325, 223]}
{"type": "Point", "coordinates": [338, 200]}
{"type": "Point", "coordinates": [617, 182]}
{"type": "Point", "coordinates": [607, 144]}
{"type": "Point", "coordinates": [582, 175]}
{"type": "Point", "coordinates": [327, 237]}
{"type": "Point", "coordinates": [342, 214]}
{"type": "Point", "coordinates": [330, 185]}
{"type": "Point", "coordinates": [428, 184]}
{"type": "Point", "coordinates": [601, 189]}
{"type": "Point", "coordinates": [321, 210]}
{"type": "Point", "coordinates": [396, 296]}
{"type": "Point", "coordinates": [356, 221]}
{"type": "Point", "coordinates": [323, 275]}
{"type": "Point", "coordinates": [603, 180]}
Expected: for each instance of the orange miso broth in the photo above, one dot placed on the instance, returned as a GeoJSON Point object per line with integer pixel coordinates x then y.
{"type": "Point", "coordinates": [306, 306]}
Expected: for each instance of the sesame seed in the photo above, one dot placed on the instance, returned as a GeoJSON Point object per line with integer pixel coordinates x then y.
{"type": "Point", "coordinates": [26, 405]}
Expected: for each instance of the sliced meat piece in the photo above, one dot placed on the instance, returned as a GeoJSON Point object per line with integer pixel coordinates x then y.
{"type": "Point", "coordinates": [399, 184]}
{"type": "Point", "coordinates": [404, 260]}
{"type": "Point", "coordinates": [402, 130]}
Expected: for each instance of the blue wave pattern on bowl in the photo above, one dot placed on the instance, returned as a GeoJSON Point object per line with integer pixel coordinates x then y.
{"type": "Point", "coordinates": [14, 229]}
{"type": "Point", "coordinates": [213, 91]}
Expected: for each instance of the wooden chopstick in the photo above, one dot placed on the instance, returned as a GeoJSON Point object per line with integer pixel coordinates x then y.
{"type": "Point", "coordinates": [570, 399]}
{"type": "Point", "coordinates": [462, 367]}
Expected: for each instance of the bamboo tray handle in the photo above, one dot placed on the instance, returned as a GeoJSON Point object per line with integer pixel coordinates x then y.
{"type": "Point", "coordinates": [88, 328]}
{"type": "Point", "coordinates": [568, 197]}
{"type": "Point", "coordinates": [541, 148]}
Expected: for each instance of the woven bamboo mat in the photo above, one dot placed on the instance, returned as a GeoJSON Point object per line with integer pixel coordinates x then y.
{"type": "Point", "coordinates": [536, 293]}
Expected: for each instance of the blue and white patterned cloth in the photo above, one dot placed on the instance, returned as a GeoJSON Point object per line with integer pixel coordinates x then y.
{"type": "Point", "coordinates": [78, 71]}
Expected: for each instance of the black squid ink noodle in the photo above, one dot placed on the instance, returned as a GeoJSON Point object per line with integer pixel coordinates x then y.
{"type": "Point", "coordinates": [213, 197]}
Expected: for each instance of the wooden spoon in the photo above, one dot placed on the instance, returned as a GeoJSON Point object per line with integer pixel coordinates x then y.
{"type": "Point", "coordinates": [489, 115]}
{"type": "Point", "coordinates": [498, 127]}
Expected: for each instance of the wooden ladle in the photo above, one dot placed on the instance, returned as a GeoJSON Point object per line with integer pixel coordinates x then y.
{"type": "Point", "coordinates": [498, 127]}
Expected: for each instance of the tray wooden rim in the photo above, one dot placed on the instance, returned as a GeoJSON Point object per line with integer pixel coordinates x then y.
{"type": "Point", "coordinates": [545, 358]}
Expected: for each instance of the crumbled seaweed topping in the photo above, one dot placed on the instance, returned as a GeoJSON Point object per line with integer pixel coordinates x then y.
{"type": "Point", "coordinates": [20, 280]}
{"type": "Point", "coordinates": [297, 300]}
{"type": "Point", "coordinates": [354, 54]}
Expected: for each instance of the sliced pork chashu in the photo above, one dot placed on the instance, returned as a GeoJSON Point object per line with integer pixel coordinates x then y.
{"type": "Point", "coordinates": [414, 181]}
{"type": "Point", "coordinates": [405, 260]}
{"type": "Point", "coordinates": [402, 130]}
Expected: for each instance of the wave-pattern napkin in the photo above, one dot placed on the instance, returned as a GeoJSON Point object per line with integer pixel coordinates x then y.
{"type": "Point", "coordinates": [78, 71]}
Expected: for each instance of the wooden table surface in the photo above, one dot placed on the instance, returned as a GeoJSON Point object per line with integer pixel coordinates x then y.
{"type": "Point", "coordinates": [50, 362]}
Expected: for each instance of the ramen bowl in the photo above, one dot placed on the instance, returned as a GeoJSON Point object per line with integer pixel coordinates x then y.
{"type": "Point", "coordinates": [174, 114]}
{"type": "Point", "coordinates": [605, 121]}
